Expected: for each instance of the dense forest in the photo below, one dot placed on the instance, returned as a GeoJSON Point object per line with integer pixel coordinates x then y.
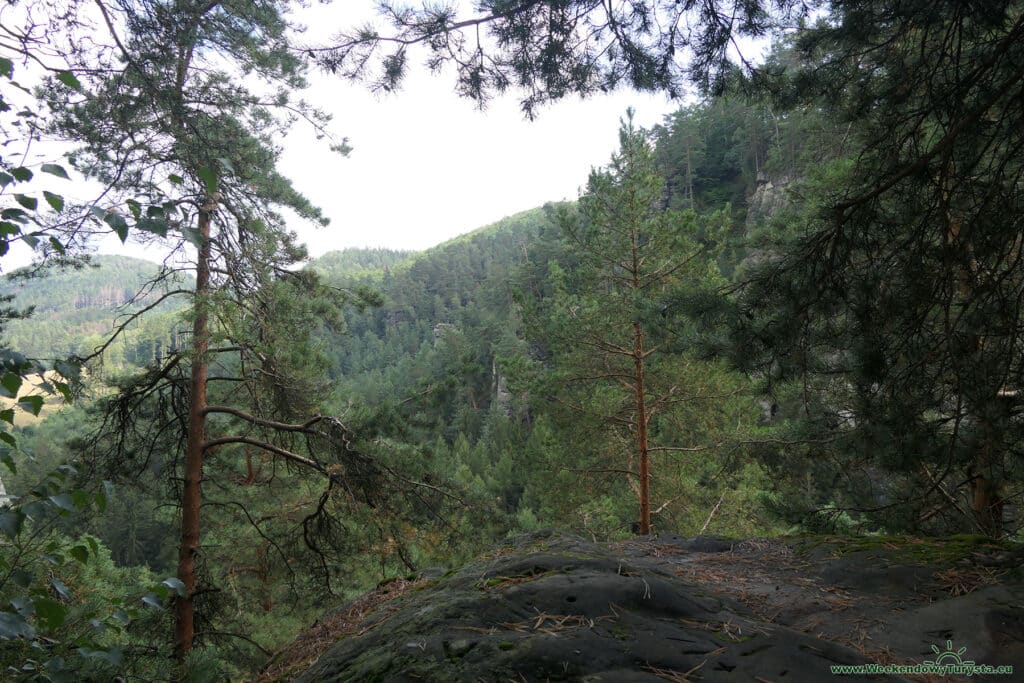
{"type": "Point", "coordinates": [793, 306]}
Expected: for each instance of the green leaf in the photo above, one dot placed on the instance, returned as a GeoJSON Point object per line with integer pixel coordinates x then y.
{"type": "Point", "coordinates": [152, 600]}
{"type": "Point", "coordinates": [50, 612]}
{"type": "Point", "coordinates": [157, 227]}
{"type": "Point", "coordinates": [81, 498]}
{"type": "Point", "coordinates": [30, 239]}
{"type": "Point", "coordinates": [119, 224]}
{"type": "Point", "coordinates": [34, 510]}
{"type": "Point", "coordinates": [80, 553]}
{"type": "Point", "coordinates": [5, 456]}
{"type": "Point", "coordinates": [9, 439]}
{"type": "Point", "coordinates": [68, 370]}
{"type": "Point", "coordinates": [7, 228]}
{"type": "Point", "coordinates": [114, 656]}
{"type": "Point", "coordinates": [29, 203]}
{"type": "Point", "coordinates": [21, 173]}
{"type": "Point", "coordinates": [14, 625]}
{"type": "Point", "coordinates": [69, 79]}
{"type": "Point", "coordinates": [64, 501]}
{"type": "Point", "coordinates": [11, 522]}
{"type": "Point", "coordinates": [61, 589]}
{"type": "Point", "coordinates": [23, 605]}
{"type": "Point", "coordinates": [193, 236]}
{"type": "Point", "coordinates": [176, 585]}
{"type": "Point", "coordinates": [15, 214]}
{"type": "Point", "coordinates": [101, 501]}
{"type": "Point", "coordinates": [65, 390]}
{"type": "Point", "coordinates": [55, 201]}
{"type": "Point", "coordinates": [6, 179]}
{"type": "Point", "coordinates": [55, 169]}
{"type": "Point", "coordinates": [22, 578]}
{"type": "Point", "coordinates": [6, 67]}
{"type": "Point", "coordinates": [135, 208]}
{"type": "Point", "coordinates": [7, 415]}
{"type": "Point", "coordinates": [175, 179]}
{"type": "Point", "coordinates": [209, 177]}
{"type": "Point", "coordinates": [57, 246]}
{"type": "Point", "coordinates": [10, 383]}
{"type": "Point", "coordinates": [32, 404]}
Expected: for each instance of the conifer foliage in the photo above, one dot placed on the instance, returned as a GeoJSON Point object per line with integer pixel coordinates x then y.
{"type": "Point", "coordinates": [898, 289]}
{"type": "Point", "coordinates": [187, 150]}
{"type": "Point", "coordinates": [629, 253]}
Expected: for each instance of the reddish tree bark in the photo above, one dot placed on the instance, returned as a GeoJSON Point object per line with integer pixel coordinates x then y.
{"type": "Point", "coordinates": [191, 497]}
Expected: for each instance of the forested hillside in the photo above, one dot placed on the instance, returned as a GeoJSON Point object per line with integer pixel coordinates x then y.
{"type": "Point", "coordinates": [474, 372]}
{"type": "Point", "coordinates": [793, 307]}
{"type": "Point", "coordinates": [77, 310]}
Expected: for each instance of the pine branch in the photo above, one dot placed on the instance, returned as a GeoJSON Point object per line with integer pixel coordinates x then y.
{"type": "Point", "coordinates": [260, 422]}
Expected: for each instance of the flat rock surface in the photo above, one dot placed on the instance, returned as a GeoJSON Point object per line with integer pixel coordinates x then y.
{"type": "Point", "coordinates": [558, 608]}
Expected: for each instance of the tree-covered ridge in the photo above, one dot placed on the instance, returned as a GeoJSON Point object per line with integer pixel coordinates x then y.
{"type": "Point", "coordinates": [108, 281]}
{"type": "Point", "coordinates": [458, 294]}
{"type": "Point", "coordinates": [77, 309]}
{"type": "Point", "coordinates": [357, 262]}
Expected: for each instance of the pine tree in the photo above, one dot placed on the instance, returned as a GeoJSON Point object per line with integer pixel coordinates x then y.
{"type": "Point", "coordinates": [554, 48]}
{"type": "Point", "coordinates": [629, 253]}
{"type": "Point", "coordinates": [895, 298]}
{"type": "Point", "coordinates": [188, 154]}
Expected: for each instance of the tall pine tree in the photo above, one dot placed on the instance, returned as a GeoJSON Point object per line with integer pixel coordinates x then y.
{"type": "Point", "coordinates": [187, 150]}
{"type": "Point", "coordinates": [629, 252]}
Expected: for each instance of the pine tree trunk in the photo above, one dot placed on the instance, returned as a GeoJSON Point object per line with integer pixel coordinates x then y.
{"type": "Point", "coordinates": [184, 613]}
{"type": "Point", "coordinates": [986, 502]}
{"type": "Point", "coordinates": [641, 431]}
{"type": "Point", "coordinates": [689, 173]}
{"type": "Point", "coordinates": [640, 393]}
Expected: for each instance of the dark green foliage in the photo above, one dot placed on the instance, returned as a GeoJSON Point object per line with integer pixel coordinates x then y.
{"type": "Point", "coordinates": [447, 314]}
{"type": "Point", "coordinates": [894, 292]}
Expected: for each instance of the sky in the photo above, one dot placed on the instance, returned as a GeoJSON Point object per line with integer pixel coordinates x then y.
{"type": "Point", "coordinates": [427, 165]}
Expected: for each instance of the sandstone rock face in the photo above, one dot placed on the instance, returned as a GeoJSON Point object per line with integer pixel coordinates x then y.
{"type": "Point", "coordinates": [558, 608]}
{"type": "Point", "coordinates": [769, 197]}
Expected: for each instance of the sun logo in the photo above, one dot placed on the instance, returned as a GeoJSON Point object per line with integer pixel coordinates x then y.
{"type": "Point", "coordinates": [949, 656]}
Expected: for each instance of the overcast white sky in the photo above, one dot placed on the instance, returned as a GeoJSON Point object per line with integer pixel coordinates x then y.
{"type": "Point", "coordinates": [428, 166]}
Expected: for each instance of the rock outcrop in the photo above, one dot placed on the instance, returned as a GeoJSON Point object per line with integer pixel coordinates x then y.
{"type": "Point", "coordinates": [558, 608]}
{"type": "Point", "coordinates": [770, 196]}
